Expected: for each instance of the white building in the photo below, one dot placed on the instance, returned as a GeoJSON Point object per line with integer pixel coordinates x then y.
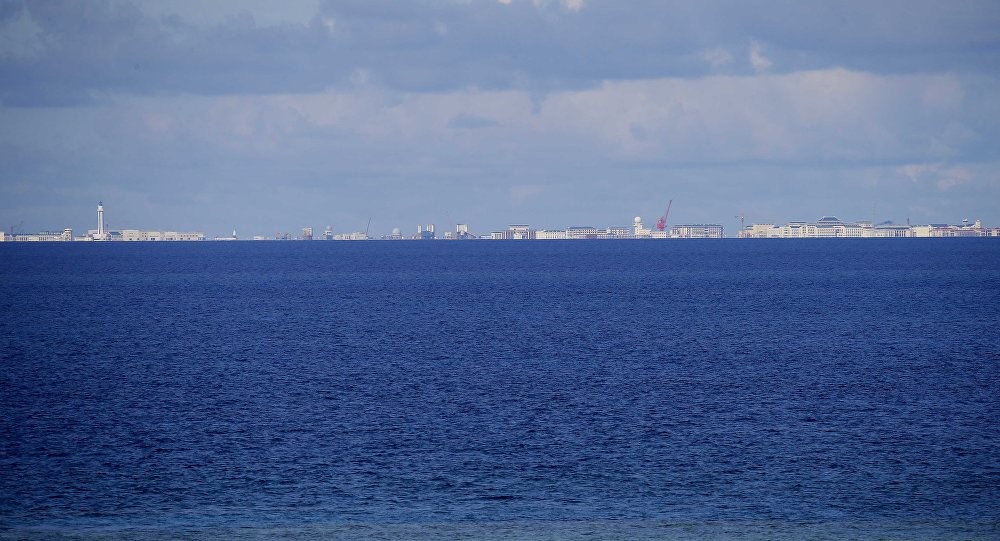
{"type": "Point", "coordinates": [550, 234]}
{"type": "Point", "coordinates": [697, 231]}
{"type": "Point", "coordinates": [133, 235]}
{"type": "Point", "coordinates": [137, 235]}
{"type": "Point", "coordinates": [521, 232]}
{"type": "Point", "coordinates": [638, 231]}
{"type": "Point", "coordinates": [831, 227]}
{"type": "Point", "coordinates": [44, 236]}
{"type": "Point", "coordinates": [357, 235]}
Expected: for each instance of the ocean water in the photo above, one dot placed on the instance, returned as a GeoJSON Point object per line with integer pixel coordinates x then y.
{"type": "Point", "coordinates": [501, 390]}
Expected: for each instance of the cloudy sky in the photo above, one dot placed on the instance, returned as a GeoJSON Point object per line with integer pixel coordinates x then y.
{"type": "Point", "coordinates": [271, 116]}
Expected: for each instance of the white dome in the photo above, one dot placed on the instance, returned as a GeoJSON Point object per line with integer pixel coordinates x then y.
{"type": "Point", "coordinates": [395, 231]}
{"type": "Point", "coordinates": [637, 219]}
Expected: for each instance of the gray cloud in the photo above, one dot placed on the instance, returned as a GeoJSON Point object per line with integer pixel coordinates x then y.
{"type": "Point", "coordinates": [471, 122]}
{"type": "Point", "coordinates": [480, 111]}
{"type": "Point", "coordinates": [92, 49]}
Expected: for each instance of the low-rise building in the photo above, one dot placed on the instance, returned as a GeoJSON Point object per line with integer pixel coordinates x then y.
{"type": "Point", "coordinates": [136, 235]}
{"type": "Point", "coordinates": [831, 227]}
{"type": "Point", "coordinates": [357, 235]}
{"type": "Point", "coordinates": [550, 234]}
{"type": "Point", "coordinates": [43, 236]}
{"type": "Point", "coordinates": [697, 231]}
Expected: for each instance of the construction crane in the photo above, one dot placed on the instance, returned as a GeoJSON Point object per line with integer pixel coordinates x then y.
{"type": "Point", "coordinates": [661, 224]}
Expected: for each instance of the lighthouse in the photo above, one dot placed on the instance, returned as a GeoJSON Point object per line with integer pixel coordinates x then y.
{"type": "Point", "coordinates": [101, 233]}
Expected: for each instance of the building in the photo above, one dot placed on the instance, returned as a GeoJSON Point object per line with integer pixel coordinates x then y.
{"type": "Point", "coordinates": [136, 235]}
{"type": "Point", "coordinates": [681, 231]}
{"type": "Point", "coordinates": [462, 232]}
{"type": "Point", "coordinates": [976, 229]}
{"type": "Point", "coordinates": [515, 232]}
{"type": "Point", "coordinates": [425, 233]}
{"type": "Point", "coordinates": [697, 231]}
{"type": "Point", "coordinates": [102, 233]}
{"type": "Point", "coordinates": [638, 231]}
{"type": "Point", "coordinates": [550, 234]}
{"type": "Point", "coordinates": [832, 227]}
{"type": "Point", "coordinates": [43, 236]}
{"type": "Point", "coordinates": [521, 232]}
{"type": "Point", "coordinates": [582, 232]}
{"type": "Point", "coordinates": [825, 227]}
{"type": "Point", "coordinates": [357, 235]}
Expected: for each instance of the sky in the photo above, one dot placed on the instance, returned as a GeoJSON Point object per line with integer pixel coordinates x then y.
{"type": "Point", "coordinates": [273, 116]}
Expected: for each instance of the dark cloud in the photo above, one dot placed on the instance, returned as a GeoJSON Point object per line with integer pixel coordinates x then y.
{"type": "Point", "coordinates": [93, 49]}
{"type": "Point", "coordinates": [10, 9]}
{"type": "Point", "coordinates": [100, 47]}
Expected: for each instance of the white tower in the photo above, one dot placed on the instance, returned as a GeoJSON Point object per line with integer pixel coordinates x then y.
{"type": "Point", "coordinates": [101, 233]}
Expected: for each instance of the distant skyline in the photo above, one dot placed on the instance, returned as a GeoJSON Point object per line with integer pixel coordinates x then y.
{"type": "Point", "coordinates": [270, 117]}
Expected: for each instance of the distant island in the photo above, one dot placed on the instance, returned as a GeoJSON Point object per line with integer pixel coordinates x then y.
{"type": "Point", "coordinates": [825, 227]}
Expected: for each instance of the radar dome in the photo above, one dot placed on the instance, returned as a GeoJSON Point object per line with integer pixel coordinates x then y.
{"type": "Point", "coordinates": [637, 219]}
{"type": "Point", "coordinates": [395, 231]}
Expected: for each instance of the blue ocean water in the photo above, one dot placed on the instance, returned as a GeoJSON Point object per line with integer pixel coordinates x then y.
{"type": "Point", "coordinates": [549, 389]}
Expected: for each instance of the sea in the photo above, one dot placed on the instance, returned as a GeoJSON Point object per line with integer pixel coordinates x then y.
{"type": "Point", "coordinates": [702, 389]}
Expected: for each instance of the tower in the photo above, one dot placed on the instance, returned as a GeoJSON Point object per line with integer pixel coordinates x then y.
{"type": "Point", "coordinates": [101, 233]}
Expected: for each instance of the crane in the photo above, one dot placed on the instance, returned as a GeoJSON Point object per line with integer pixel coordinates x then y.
{"type": "Point", "coordinates": [661, 224]}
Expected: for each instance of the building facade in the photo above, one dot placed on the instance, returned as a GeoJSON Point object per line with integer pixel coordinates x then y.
{"type": "Point", "coordinates": [832, 227]}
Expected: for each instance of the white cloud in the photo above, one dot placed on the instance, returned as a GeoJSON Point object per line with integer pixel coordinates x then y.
{"type": "Point", "coordinates": [819, 115]}
{"type": "Point", "coordinates": [570, 5]}
{"type": "Point", "coordinates": [952, 177]}
{"type": "Point", "coordinates": [943, 176]}
{"type": "Point", "coordinates": [917, 170]}
{"type": "Point", "coordinates": [757, 59]}
{"type": "Point", "coordinates": [717, 58]}
{"type": "Point", "coordinates": [329, 23]}
{"type": "Point", "coordinates": [520, 193]}
{"type": "Point", "coordinates": [826, 115]}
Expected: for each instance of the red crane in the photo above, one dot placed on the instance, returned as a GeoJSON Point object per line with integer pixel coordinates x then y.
{"type": "Point", "coordinates": [661, 224]}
